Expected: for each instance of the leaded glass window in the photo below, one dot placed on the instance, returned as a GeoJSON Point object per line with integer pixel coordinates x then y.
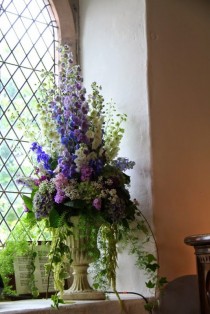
{"type": "Point", "coordinates": [28, 41]}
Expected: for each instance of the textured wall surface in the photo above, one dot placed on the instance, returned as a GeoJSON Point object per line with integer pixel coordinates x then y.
{"type": "Point", "coordinates": [113, 53]}
{"type": "Point", "coordinates": [179, 93]}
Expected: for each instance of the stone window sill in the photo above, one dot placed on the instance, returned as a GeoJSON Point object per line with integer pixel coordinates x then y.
{"type": "Point", "coordinates": [43, 306]}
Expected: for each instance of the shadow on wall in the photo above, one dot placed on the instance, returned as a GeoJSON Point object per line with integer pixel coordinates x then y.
{"type": "Point", "coordinates": [180, 296]}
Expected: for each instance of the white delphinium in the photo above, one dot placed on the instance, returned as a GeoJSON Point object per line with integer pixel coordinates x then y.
{"type": "Point", "coordinates": [81, 159]}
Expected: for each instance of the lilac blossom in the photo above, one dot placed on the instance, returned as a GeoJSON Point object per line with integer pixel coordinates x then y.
{"type": "Point", "coordinates": [59, 197]}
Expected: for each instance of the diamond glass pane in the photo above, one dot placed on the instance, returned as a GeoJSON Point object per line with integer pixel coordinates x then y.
{"type": "Point", "coordinates": [27, 46]}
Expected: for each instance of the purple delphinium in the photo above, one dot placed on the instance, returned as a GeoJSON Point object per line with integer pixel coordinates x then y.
{"type": "Point", "coordinates": [70, 112]}
{"type": "Point", "coordinates": [42, 157]}
{"type": "Point", "coordinates": [28, 182]}
{"type": "Point", "coordinates": [97, 166]}
{"type": "Point", "coordinates": [67, 165]}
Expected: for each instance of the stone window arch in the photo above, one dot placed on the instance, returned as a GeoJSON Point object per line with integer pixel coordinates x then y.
{"type": "Point", "coordinates": [66, 13]}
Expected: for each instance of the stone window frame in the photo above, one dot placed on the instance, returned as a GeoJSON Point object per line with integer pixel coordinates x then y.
{"type": "Point", "coordinates": [66, 14]}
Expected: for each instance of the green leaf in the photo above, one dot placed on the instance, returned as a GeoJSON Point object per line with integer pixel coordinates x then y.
{"type": "Point", "coordinates": [53, 163]}
{"type": "Point", "coordinates": [34, 192]}
{"type": "Point", "coordinates": [54, 218]}
{"type": "Point", "coordinates": [30, 216]}
{"type": "Point", "coordinates": [28, 202]}
{"type": "Point", "coordinates": [30, 220]}
{"type": "Point", "coordinates": [75, 204]}
{"type": "Point", "coordinates": [56, 301]}
{"type": "Point", "coordinates": [162, 281]}
{"type": "Point", "coordinates": [151, 258]}
{"type": "Point", "coordinates": [143, 228]}
{"type": "Point", "coordinates": [96, 286]}
{"type": "Point", "coordinates": [152, 267]}
{"type": "Point", "coordinates": [150, 284]}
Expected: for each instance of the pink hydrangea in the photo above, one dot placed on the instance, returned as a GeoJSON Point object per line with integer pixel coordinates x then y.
{"type": "Point", "coordinates": [60, 180]}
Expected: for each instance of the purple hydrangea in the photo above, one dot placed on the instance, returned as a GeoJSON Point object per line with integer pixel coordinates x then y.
{"type": "Point", "coordinates": [42, 204]}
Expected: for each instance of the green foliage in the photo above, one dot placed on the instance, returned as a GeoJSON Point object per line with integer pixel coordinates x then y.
{"type": "Point", "coordinates": [54, 218]}
{"type": "Point", "coordinates": [28, 201]}
{"type": "Point", "coordinates": [18, 246]}
{"type": "Point", "coordinates": [7, 256]}
{"type": "Point", "coordinates": [32, 254]}
{"type": "Point", "coordinates": [59, 257]}
{"type": "Point", "coordinates": [56, 301]}
{"type": "Point", "coordinates": [105, 266]}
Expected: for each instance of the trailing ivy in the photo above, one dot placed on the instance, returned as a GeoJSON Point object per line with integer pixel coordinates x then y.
{"type": "Point", "coordinates": [136, 239]}
{"type": "Point", "coordinates": [59, 258]}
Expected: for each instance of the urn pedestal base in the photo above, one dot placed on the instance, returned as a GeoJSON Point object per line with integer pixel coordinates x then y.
{"type": "Point", "coordinates": [80, 288]}
{"type": "Point", "coordinates": [83, 295]}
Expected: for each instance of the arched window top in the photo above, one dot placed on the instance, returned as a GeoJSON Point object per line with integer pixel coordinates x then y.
{"type": "Point", "coordinates": [66, 13]}
{"type": "Point", "coordinates": [28, 34]}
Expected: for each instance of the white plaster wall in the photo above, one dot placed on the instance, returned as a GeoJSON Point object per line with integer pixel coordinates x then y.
{"type": "Point", "coordinates": [113, 53]}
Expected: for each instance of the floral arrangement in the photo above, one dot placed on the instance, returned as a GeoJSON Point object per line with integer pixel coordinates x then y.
{"type": "Point", "coordinates": [77, 171]}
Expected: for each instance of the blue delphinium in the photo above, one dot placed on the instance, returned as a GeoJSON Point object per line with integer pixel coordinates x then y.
{"type": "Point", "coordinates": [42, 157]}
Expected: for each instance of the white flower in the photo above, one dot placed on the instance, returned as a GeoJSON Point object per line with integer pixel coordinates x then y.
{"type": "Point", "coordinates": [90, 134]}
{"type": "Point", "coordinates": [92, 156]}
{"type": "Point", "coordinates": [113, 196]}
{"type": "Point", "coordinates": [81, 159]}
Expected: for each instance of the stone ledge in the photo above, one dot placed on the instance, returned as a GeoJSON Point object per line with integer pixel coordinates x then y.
{"type": "Point", "coordinates": [43, 306]}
